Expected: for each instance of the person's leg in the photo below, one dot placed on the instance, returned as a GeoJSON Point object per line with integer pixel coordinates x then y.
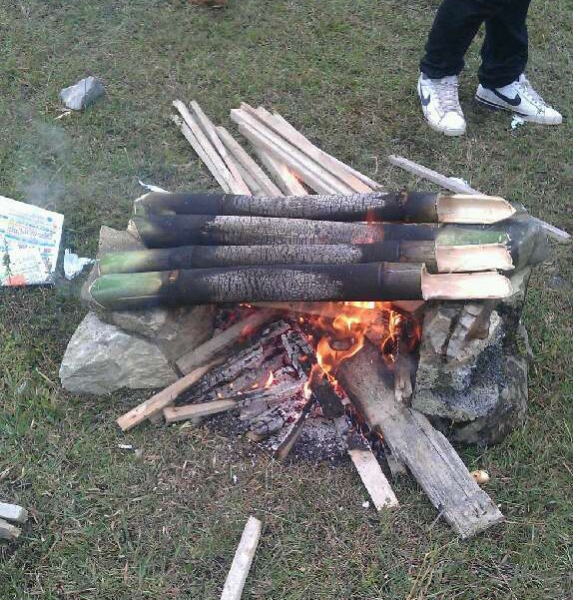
{"type": "Point", "coordinates": [504, 51]}
{"type": "Point", "coordinates": [455, 26]}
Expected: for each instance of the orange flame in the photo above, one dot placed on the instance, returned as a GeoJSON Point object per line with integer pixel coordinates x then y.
{"type": "Point", "coordinates": [270, 380]}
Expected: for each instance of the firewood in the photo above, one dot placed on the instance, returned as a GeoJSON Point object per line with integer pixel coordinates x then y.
{"type": "Point", "coordinates": [284, 129]}
{"type": "Point", "coordinates": [267, 423]}
{"type": "Point", "coordinates": [455, 185]}
{"type": "Point", "coordinates": [215, 160]}
{"type": "Point", "coordinates": [218, 345]}
{"type": "Point", "coordinates": [427, 453]}
{"type": "Point", "coordinates": [13, 512]}
{"type": "Point", "coordinates": [7, 531]}
{"type": "Point", "coordinates": [366, 180]}
{"type": "Point", "coordinates": [173, 414]}
{"type": "Point", "coordinates": [416, 207]}
{"type": "Point", "coordinates": [295, 430]}
{"type": "Point", "coordinates": [235, 582]}
{"type": "Point", "coordinates": [315, 283]}
{"type": "Point", "coordinates": [373, 478]}
{"type": "Point", "coordinates": [213, 136]}
{"type": "Point", "coordinates": [159, 401]}
{"type": "Point", "coordinates": [312, 173]}
{"type": "Point", "coordinates": [195, 144]}
{"type": "Point", "coordinates": [285, 179]}
{"type": "Point", "coordinates": [241, 156]}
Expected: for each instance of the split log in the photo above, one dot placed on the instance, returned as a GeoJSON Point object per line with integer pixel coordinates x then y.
{"type": "Point", "coordinates": [415, 207]}
{"type": "Point", "coordinates": [159, 401]}
{"type": "Point", "coordinates": [437, 258]}
{"type": "Point", "coordinates": [235, 582]}
{"type": "Point", "coordinates": [213, 136]}
{"type": "Point", "coordinates": [427, 453]}
{"type": "Point", "coordinates": [250, 166]}
{"type": "Point", "coordinates": [289, 133]}
{"type": "Point", "coordinates": [284, 177]}
{"type": "Point", "coordinates": [373, 478]}
{"type": "Point", "coordinates": [8, 531]}
{"type": "Point", "coordinates": [13, 512]}
{"type": "Point", "coordinates": [218, 345]}
{"type": "Point", "coordinates": [311, 172]}
{"type": "Point", "coordinates": [186, 412]}
{"type": "Point", "coordinates": [314, 283]}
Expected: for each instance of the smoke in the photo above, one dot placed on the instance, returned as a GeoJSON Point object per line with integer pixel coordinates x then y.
{"type": "Point", "coordinates": [43, 154]}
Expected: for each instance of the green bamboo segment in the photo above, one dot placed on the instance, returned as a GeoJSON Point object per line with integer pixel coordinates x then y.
{"type": "Point", "coordinates": [310, 283]}
{"type": "Point", "coordinates": [414, 207]}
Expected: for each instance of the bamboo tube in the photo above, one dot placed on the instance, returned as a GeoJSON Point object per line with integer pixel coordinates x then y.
{"type": "Point", "coordinates": [312, 283]}
{"type": "Point", "coordinates": [416, 207]}
{"type": "Point", "coordinates": [445, 259]}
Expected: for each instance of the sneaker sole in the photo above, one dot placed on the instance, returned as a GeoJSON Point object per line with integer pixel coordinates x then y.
{"type": "Point", "coordinates": [447, 132]}
{"type": "Point", "coordinates": [527, 118]}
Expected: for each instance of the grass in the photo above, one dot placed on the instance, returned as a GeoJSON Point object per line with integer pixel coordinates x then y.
{"type": "Point", "coordinates": [109, 525]}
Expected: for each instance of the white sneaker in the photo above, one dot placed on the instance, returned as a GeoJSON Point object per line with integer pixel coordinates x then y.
{"type": "Point", "coordinates": [441, 105]}
{"type": "Point", "coordinates": [520, 97]}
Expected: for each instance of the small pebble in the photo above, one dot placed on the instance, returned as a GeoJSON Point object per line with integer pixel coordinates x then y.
{"type": "Point", "coordinates": [480, 476]}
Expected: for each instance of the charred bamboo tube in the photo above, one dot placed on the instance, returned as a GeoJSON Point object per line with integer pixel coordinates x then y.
{"type": "Point", "coordinates": [311, 283]}
{"type": "Point", "coordinates": [415, 207]}
{"type": "Point", "coordinates": [167, 231]}
{"type": "Point", "coordinates": [446, 259]}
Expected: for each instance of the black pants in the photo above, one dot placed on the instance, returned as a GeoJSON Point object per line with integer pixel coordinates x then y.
{"type": "Point", "coordinates": [504, 51]}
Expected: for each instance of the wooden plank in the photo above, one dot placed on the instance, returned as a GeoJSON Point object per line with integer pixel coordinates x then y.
{"type": "Point", "coordinates": [310, 171]}
{"type": "Point", "coordinates": [262, 179]}
{"type": "Point", "coordinates": [13, 512]}
{"type": "Point", "coordinates": [459, 187]}
{"type": "Point", "coordinates": [252, 184]}
{"type": "Point", "coordinates": [159, 401]}
{"type": "Point", "coordinates": [218, 344]}
{"type": "Point", "coordinates": [373, 478]}
{"type": "Point", "coordinates": [194, 142]}
{"type": "Point", "coordinates": [299, 141]}
{"type": "Point", "coordinates": [216, 160]}
{"type": "Point", "coordinates": [194, 411]}
{"type": "Point", "coordinates": [288, 183]}
{"type": "Point", "coordinates": [7, 531]}
{"type": "Point", "coordinates": [213, 136]}
{"type": "Point", "coordinates": [370, 183]}
{"type": "Point", "coordinates": [427, 453]}
{"type": "Point", "coordinates": [235, 582]}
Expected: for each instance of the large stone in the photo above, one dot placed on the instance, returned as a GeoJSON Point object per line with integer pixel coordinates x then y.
{"type": "Point", "coordinates": [82, 94]}
{"type": "Point", "coordinates": [101, 358]}
{"type": "Point", "coordinates": [475, 390]}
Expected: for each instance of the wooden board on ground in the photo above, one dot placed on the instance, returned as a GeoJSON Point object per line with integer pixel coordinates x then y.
{"type": "Point", "coordinates": [243, 560]}
{"type": "Point", "coordinates": [285, 179]}
{"type": "Point", "coordinates": [427, 453]}
{"type": "Point", "coordinates": [373, 478]}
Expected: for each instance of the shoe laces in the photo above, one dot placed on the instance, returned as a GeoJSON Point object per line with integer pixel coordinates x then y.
{"type": "Point", "coordinates": [526, 89]}
{"type": "Point", "coordinates": [447, 92]}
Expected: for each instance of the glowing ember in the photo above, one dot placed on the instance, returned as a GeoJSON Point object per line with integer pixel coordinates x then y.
{"type": "Point", "coordinates": [270, 380]}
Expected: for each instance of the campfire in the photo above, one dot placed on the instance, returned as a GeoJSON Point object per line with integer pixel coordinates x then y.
{"type": "Point", "coordinates": [350, 322]}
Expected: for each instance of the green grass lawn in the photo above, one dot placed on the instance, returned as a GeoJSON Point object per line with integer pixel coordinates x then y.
{"type": "Point", "coordinates": [109, 525]}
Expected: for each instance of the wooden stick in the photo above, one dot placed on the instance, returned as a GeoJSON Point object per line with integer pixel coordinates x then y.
{"type": "Point", "coordinates": [194, 411]}
{"type": "Point", "coordinates": [216, 160]}
{"type": "Point", "coordinates": [220, 343]}
{"type": "Point", "coordinates": [248, 163]}
{"type": "Point", "coordinates": [243, 560]}
{"type": "Point", "coordinates": [299, 141]}
{"type": "Point", "coordinates": [460, 187]}
{"type": "Point", "coordinates": [425, 451]}
{"type": "Point", "coordinates": [370, 183]}
{"type": "Point", "coordinates": [7, 531]}
{"type": "Point", "coordinates": [194, 142]}
{"type": "Point", "coordinates": [159, 401]}
{"type": "Point", "coordinates": [211, 132]}
{"type": "Point", "coordinates": [310, 171]}
{"type": "Point", "coordinates": [288, 183]}
{"type": "Point", "coordinates": [290, 439]}
{"type": "Point", "coordinates": [13, 512]}
{"type": "Point", "coordinates": [373, 478]}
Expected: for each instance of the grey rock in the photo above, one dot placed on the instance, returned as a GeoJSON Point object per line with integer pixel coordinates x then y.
{"type": "Point", "coordinates": [474, 390]}
{"type": "Point", "coordinates": [101, 358]}
{"type": "Point", "coordinates": [82, 94]}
